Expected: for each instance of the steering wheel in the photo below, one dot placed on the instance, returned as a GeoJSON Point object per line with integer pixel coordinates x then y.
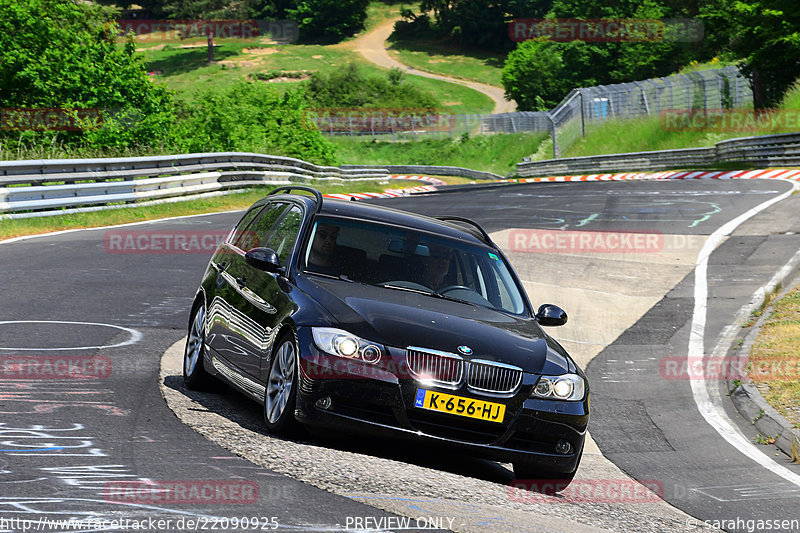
{"type": "Point", "coordinates": [456, 287]}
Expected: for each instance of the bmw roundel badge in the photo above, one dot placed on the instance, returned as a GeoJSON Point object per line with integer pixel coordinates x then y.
{"type": "Point", "coordinates": [465, 350]}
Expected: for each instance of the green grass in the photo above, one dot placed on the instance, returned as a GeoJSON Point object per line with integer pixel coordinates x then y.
{"type": "Point", "coordinates": [694, 66]}
{"type": "Point", "coordinates": [648, 133]}
{"type": "Point", "coordinates": [773, 358]}
{"type": "Point", "coordinates": [453, 98]}
{"type": "Point", "coordinates": [187, 70]}
{"type": "Point", "coordinates": [183, 65]}
{"type": "Point", "coordinates": [495, 153]}
{"type": "Point", "coordinates": [636, 135]}
{"type": "Point", "coordinates": [448, 60]}
{"type": "Point", "coordinates": [380, 12]}
{"type": "Point", "coordinates": [791, 100]}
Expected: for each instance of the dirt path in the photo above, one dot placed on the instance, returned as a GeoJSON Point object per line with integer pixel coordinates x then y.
{"type": "Point", "coordinates": [372, 46]}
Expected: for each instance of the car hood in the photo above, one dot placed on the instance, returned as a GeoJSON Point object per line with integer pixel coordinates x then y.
{"type": "Point", "coordinates": [400, 319]}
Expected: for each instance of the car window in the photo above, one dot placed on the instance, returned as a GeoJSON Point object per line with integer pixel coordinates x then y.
{"type": "Point", "coordinates": [258, 232]}
{"type": "Point", "coordinates": [285, 233]}
{"type": "Point", "coordinates": [378, 254]}
{"type": "Point", "coordinates": [236, 236]}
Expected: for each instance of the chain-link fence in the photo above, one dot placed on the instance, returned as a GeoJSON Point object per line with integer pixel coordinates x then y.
{"type": "Point", "coordinates": [724, 88]}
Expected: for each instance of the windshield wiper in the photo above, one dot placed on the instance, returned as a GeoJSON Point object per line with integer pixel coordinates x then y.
{"type": "Point", "coordinates": [331, 276]}
{"type": "Point", "coordinates": [408, 289]}
{"type": "Point", "coordinates": [452, 299]}
{"type": "Point", "coordinates": [425, 292]}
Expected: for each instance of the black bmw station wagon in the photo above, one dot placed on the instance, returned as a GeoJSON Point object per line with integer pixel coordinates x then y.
{"type": "Point", "coordinates": [360, 318]}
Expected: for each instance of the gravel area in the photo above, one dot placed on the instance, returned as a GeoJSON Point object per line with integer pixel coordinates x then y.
{"type": "Point", "coordinates": [408, 479]}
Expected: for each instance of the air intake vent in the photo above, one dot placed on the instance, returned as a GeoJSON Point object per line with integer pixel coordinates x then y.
{"type": "Point", "coordinates": [438, 368]}
{"type": "Point", "coordinates": [493, 378]}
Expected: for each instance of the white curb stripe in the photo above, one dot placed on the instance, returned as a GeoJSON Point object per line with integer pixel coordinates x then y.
{"type": "Point", "coordinates": [713, 413]}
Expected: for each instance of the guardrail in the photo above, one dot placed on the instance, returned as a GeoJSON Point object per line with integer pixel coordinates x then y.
{"type": "Point", "coordinates": [430, 170]}
{"type": "Point", "coordinates": [766, 150]}
{"type": "Point", "coordinates": [38, 187]}
{"type": "Point", "coordinates": [49, 187]}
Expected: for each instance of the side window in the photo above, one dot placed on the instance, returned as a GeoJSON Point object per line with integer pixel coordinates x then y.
{"type": "Point", "coordinates": [258, 232]}
{"type": "Point", "coordinates": [238, 231]}
{"type": "Point", "coordinates": [285, 234]}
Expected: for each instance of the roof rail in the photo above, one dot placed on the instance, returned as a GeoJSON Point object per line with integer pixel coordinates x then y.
{"type": "Point", "coordinates": [472, 223]}
{"type": "Point", "coordinates": [290, 188]}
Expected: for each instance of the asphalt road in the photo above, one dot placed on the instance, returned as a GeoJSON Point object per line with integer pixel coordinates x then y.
{"type": "Point", "coordinates": [644, 416]}
{"type": "Point", "coordinates": [67, 445]}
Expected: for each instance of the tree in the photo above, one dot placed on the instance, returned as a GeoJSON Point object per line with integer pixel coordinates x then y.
{"type": "Point", "coordinates": [478, 23]}
{"type": "Point", "coordinates": [529, 72]}
{"type": "Point", "coordinates": [62, 54]}
{"type": "Point", "coordinates": [539, 74]}
{"type": "Point", "coordinates": [765, 34]}
{"type": "Point", "coordinates": [252, 117]}
{"type": "Point", "coordinates": [328, 21]}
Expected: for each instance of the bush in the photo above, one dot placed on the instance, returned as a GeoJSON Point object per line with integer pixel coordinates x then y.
{"type": "Point", "coordinates": [251, 117]}
{"type": "Point", "coordinates": [349, 87]}
{"type": "Point", "coordinates": [61, 54]}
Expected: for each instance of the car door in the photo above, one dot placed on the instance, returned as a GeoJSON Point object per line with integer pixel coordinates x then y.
{"type": "Point", "coordinates": [256, 302]}
{"type": "Point", "coordinates": [220, 293]}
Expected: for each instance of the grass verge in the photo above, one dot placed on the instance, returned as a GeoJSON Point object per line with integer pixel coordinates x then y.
{"type": "Point", "coordinates": [773, 364]}
{"type": "Point", "coordinates": [618, 136]}
{"type": "Point", "coordinates": [31, 226]}
{"type": "Point", "coordinates": [448, 60]}
{"type": "Point", "coordinates": [186, 70]}
{"type": "Point", "coordinates": [497, 153]}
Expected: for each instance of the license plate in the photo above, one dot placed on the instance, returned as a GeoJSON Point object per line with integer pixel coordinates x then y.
{"type": "Point", "coordinates": [457, 405]}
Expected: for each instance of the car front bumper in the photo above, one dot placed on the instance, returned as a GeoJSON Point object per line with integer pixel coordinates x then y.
{"type": "Point", "coordinates": [355, 397]}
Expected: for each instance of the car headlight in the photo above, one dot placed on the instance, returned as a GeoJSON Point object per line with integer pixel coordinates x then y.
{"type": "Point", "coordinates": [343, 344]}
{"type": "Point", "coordinates": [569, 387]}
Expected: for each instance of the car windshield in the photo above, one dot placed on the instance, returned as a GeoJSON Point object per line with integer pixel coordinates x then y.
{"type": "Point", "coordinates": [404, 259]}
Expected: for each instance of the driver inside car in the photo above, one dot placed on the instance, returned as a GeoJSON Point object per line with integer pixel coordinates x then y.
{"type": "Point", "coordinates": [436, 266]}
{"type": "Point", "coordinates": [321, 257]}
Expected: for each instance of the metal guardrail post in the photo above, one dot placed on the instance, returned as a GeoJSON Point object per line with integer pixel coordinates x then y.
{"type": "Point", "coordinates": [555, 140]}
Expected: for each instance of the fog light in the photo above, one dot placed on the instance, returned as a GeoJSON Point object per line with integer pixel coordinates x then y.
{"type": "Point", "coordinates": [563, 447]}
{"type": "Point", "coordinates": [324, 403]}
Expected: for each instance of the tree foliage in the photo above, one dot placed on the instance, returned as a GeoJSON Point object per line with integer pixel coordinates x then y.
{"type": "Point", "coordinates": [349, 87]}
{"type": "Point", "coordinates": [328, 21]}
{"type": "Point", "coordinates": [582, 64]}
{"type": "Point", "coordinates": [252, 117]}
{"type": "Point", "coordinates": [61, 54]}
{"type": "Point", "coordinates": [765, 35]}
{"type": "Point", "coordinates": [471, 23]}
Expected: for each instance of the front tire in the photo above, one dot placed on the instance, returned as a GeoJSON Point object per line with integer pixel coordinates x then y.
{"type": "Point", "coordinates": [280, 395]}
{"type": "Point", "coordinates": [194, 374]}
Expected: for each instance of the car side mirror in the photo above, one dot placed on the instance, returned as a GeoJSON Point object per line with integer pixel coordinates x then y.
{"type": "Point", "coordinates": [264, 259]}
{"type": "Point", "coordinates": [551, 315]}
